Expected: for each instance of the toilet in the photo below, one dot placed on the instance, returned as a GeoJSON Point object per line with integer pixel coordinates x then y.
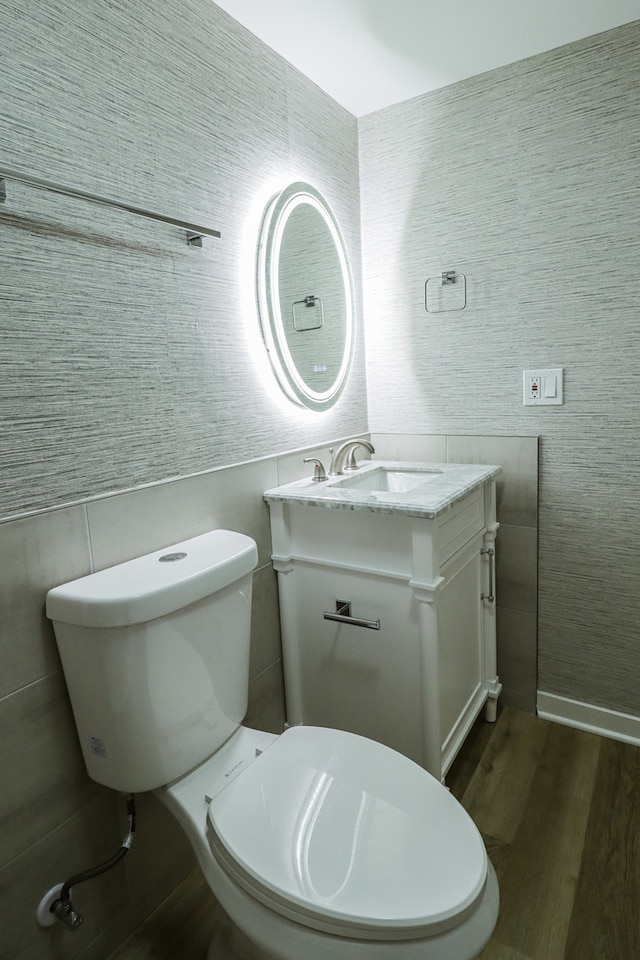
{"type": "Point", "coordinates": [318, 844]}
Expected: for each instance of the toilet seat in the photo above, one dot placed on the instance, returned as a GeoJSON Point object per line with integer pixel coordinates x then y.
{"type": "Point", "coordinates": [344, 835]}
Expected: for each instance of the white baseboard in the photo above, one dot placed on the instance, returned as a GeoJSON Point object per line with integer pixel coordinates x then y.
{"type": "Point", "coordinates": [584, 716]}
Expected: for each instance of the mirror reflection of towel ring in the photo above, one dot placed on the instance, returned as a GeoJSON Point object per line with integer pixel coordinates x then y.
{"type": "Point", "coordinates": [309, 314]}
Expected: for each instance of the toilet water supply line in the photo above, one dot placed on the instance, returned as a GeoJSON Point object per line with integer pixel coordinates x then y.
{"type": "Point", "coordinates": [62, 908]}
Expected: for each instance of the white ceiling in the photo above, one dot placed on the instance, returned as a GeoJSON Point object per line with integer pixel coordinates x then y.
{"type": "Point", "coordinates": [368, 54]}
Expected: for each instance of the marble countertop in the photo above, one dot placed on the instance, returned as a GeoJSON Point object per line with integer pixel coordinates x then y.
{"type": "Point", "coordinates": [445, 484]}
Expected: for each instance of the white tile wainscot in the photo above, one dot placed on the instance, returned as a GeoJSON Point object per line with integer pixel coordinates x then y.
{"type": "Point", "coordinates": [417, 664]}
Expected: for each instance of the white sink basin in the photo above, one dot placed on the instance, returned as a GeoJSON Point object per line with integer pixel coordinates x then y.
{"type": "Point", "coordinates": [389, 480]}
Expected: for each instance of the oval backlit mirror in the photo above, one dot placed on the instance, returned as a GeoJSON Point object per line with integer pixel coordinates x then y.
{"type": "Point", "coordinates": [305, 296]}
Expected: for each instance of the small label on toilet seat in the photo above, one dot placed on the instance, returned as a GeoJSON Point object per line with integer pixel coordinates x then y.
{"type": "Point", "coordinates": [226, 776]}
{"type": "Point", "coordinates": [234, 758]}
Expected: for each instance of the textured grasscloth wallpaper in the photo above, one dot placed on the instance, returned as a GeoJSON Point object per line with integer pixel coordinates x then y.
{"type": "Point", "coordinates": [125, 356]}
{"type": "Point", "coordinates": [527, 180]}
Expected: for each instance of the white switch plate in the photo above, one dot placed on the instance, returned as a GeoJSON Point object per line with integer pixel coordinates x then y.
{"type": "Point", "coordinates": [540, 387]}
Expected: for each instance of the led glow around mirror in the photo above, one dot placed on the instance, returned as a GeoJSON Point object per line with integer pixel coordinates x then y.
{"type": "Point", "coordinates": [305, 296]}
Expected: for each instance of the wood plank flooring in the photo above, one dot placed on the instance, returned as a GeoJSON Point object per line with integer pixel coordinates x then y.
{"type": "Point", "coordinates": [559, 810]}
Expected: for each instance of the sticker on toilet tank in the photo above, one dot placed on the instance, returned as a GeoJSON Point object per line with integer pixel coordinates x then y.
{"type": "Point", "coordinates": [97, 747]}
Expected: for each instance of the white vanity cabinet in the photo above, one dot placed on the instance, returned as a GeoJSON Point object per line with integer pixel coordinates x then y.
{"type": "Point", "coordinates": [411, 661]}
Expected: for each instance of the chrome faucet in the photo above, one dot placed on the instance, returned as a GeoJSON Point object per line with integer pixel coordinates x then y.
{"type": "Point", "coordinates": [344, 457]}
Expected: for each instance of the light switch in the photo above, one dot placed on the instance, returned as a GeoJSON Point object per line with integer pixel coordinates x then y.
{"type": "Point", "coordinates": [541, 387]}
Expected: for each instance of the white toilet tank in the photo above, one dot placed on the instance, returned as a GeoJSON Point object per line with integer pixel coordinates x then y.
{"type": "Point", "coordinates": [155, 654]}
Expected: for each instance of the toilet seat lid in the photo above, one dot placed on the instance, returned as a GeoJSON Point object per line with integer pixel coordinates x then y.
{"type": "Point", "coordinates": [343, 834]}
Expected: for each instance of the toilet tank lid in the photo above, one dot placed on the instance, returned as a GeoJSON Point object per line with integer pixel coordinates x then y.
{"type": "Point", "coordinates": [156, 584]}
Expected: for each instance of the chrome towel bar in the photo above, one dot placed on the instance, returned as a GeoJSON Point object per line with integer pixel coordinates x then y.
{"type": "Point", "coordinates": [195, 232]}
{"type": "Point", "coordinates": [343, 615]}
{"type": "Point", "coordinates": [489, 552]}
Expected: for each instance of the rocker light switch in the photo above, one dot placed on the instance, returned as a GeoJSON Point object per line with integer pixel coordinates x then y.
{"type": "Point", "coordinates": [541, 387]}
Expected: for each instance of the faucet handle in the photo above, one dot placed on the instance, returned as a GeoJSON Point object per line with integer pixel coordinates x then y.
{"type": "Point", "coordinates": [319, 473]}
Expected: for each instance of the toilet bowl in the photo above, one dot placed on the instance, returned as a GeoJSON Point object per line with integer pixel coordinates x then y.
{"type": "Point", "coordinates": [327, 844]}
{"type": "Point", "coordinates": [317, 843]}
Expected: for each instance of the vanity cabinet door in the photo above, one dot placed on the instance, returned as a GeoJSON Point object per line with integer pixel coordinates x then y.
{"type": "Point", "coordinates": [350, 677]}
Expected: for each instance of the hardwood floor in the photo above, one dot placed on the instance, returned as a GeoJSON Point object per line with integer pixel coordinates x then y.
{"type": "Point", "coordinates": [560, 813]}
{"type": "Point", "coordinates": [559, 810]}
